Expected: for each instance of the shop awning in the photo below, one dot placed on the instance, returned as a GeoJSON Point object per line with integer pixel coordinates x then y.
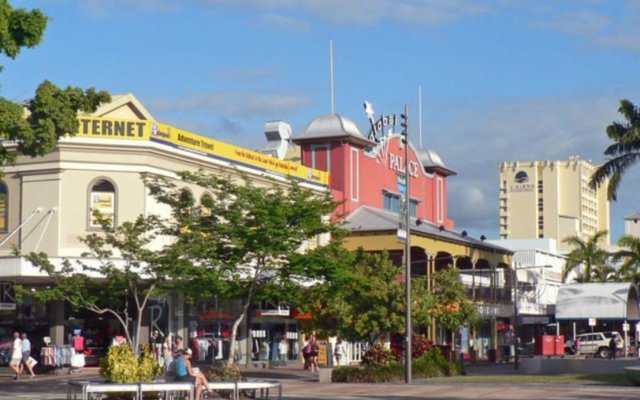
{"type": "Point", "coordinates": [598, 300]}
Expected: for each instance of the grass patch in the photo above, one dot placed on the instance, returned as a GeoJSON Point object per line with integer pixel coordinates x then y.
{"type": "Point", "coordinates": [561, 379]}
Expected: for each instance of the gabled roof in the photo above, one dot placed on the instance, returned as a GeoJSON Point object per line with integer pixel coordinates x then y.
{"type": "Point", "coordinates": [125, 106]}
{"type": "Point", "coordinates": [332, 126]}
{"type": "Point", "coordinates": [370, 219]}
{"type": "Point", "coordinates": [598, 300]}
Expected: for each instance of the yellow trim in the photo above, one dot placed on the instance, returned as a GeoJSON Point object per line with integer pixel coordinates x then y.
{"type": "Point", "coordinates": [389, 241]}
{"type": "Point", "coordinates": [116, 128]}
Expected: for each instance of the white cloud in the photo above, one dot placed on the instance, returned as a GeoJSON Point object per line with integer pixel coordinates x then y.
{"type": "Point", "coordinates": [284, 22]}
{"type": "Point", "coordinates": [479, 137]}
{"type": "Point", "coordinates": [233, 104]}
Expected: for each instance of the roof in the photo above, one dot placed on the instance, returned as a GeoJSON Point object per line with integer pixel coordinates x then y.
{"type": "Point", "coordinates": [632, 217]}
{"type": "Point", "coordinates": [332, 126]}
{"type": "Point", "coordinates": [598, 300]}
{"type": "Point", "coordinates": [368, 219]}
{"type": "Point", "coordinates": [432, 162]}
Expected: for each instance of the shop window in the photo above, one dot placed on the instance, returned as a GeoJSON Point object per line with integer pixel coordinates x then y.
{"type": "Point", "coordinates": [102, 198]}
{"type": "Point", "coordinates": [4, 206]}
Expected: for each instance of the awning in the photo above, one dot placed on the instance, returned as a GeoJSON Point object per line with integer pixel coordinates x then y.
{"type": "Point", "coordinates": [598, 300]}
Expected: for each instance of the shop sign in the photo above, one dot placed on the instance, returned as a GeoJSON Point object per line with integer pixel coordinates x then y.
{"type": "Point", "coordinates": [104, 202]}
{"type": "Point", "coordinates": [495, 310]}
{"type": "Point", "coordinates": [397, 164]}
{"type": "Point", "coordinates": [7, 296]}
{"type": "Point", "coordinates": [167, 135]}
{"type": "Point", "coordinates": [377, 126]}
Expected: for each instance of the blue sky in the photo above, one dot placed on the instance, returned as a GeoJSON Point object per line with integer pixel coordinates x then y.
{"type": "Point", "coordinates": [501, 80]}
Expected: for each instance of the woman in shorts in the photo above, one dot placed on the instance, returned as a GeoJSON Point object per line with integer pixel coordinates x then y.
{"type": "Point", "coordinates": [184, 373]}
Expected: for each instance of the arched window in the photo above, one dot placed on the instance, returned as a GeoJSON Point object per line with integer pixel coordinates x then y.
{"type": "Point", "coordinates": [102, 198]}
{"type": "Point", "coordinates": [4, 207]}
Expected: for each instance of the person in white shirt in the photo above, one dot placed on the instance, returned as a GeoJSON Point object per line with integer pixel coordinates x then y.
{"type": "Point", "coordinates": [16, 355]}
{"type": "Point", "coordinates": [340, 352]}
{"type": "Point", "coordinates": [283, 348]}
{"type": "Point", "coordinates": [26, 354]}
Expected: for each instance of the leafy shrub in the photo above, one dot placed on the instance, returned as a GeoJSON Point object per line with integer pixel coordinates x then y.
{"type": "Point", "coordinates": [120, 365]}
{"type": "Point", "coordinates": [419, 345]}
{"type": "Point", "coordinates": [224, 373]}
{"type": "Point", "coordinates": [431, 364]}
{"type": "Point", "coordinates": [377, 355]}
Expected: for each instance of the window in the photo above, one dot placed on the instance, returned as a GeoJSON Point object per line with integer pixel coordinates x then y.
{"type": "Point", "coordinates": [102, 199]}
{"type": "Point", "coordinates": [320, 157]}
{"type": "Point", "coordinates": [392, 202]}
{"type": "Point", "coordinates": [4, 202]}
{"type": "Point", "coordinates": [355, 175]}
{"type": "Point", "coordinates": [440, 200]}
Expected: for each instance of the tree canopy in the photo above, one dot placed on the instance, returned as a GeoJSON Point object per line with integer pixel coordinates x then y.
{"type": "Point", "coordinates": [36, 125]}
{"type": "Point", "coordinates": [117, 276]}
{"type": "Point", "coordinates": [246, 241]}
{"type": "Point", "coordinates": [590, 255]}
{"type": "Point", "coordinates": [623, 152]}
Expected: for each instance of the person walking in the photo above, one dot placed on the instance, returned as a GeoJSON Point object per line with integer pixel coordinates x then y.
{"type": "Point", "coordinates": [315, 350]}
{"type": "Point", "coordinates": [16, 355]}
{"type": "Point", "coordinates": [283, 348]}
{"type": "Point", "coordinates": [612, 348]}
{"type": "Point", "coordinates": [26, 354]}
{"type": "Point", "coordinates": [340, 352]}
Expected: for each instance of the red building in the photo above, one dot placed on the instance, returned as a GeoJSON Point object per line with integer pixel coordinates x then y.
{"type": "Point", "coordinates": [363, 175]}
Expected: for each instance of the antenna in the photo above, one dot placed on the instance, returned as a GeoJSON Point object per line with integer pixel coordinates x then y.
{"type": "Point", "coordinates": [331, 72]}
{"type": "Point", "coordinates": [420, 112]}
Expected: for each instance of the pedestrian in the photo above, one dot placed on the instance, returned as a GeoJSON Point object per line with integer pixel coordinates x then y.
{"type": "Point", "coordinates": [16, 355]}
{"type": "Point", "coordinates": [315, 350]}
{"type": "Point", "coordinates": [577, 346]}
{"type": "Point", "coordinates": [178, 345]}
{"type": "Point", "coordinates": [283, 348]}
{"type": "Point", "coordinates": [306, 353]}
{"type": "Point", "coordinates": [185, 373]}
{"type": "Point", "coordinates": [612, 348]}
{"type": "Point", "coordinates": [156, 341]}
{"type": "Point", "coordinates": [26, 354]}
{"type": "Point", "coordinates": [340, 353]}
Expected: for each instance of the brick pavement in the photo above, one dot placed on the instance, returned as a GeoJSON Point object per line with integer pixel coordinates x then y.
{"type": "Point", "coordinates": [299, 384]}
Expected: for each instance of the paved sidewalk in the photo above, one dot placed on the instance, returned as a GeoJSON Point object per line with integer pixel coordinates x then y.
{"type": "Point", "coordinates": [304, 385]}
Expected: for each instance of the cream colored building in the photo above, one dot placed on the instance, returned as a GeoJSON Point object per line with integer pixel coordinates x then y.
{"type": "Point", "coordinates": [49, 202]}
{"type": "Point", "coordinates": [551, 199]}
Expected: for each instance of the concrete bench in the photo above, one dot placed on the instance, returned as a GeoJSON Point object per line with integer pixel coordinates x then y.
{"type": "Point", "coordinates": [170, 389]}
{"type": "Point", "coordinates": [91, 390]}
{"type": "Point", "coordinates": [264, 388]}
{"type": "Point", "coordinates": [95, 390]}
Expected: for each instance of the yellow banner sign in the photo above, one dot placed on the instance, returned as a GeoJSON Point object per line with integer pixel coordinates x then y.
{"type": "Point", "coordinates": [110, 128]}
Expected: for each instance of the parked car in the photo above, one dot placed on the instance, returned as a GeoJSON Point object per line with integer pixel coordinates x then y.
{"type": "Point", "coordinates": [596, 343]}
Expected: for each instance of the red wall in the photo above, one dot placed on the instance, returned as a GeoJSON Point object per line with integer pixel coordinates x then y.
{"type": "Point", "coordinates": [361, 179]}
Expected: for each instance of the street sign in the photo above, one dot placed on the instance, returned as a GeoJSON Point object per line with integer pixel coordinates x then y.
{"type": "Point", "coordinates": [592, 322]}
{"type": "Point", "coordinates": [625, 327]}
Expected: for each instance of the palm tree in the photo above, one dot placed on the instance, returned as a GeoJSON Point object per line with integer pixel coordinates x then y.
{"type": "Point", "coordinates": [629, 270]}
{"type": "Point", "coordinates": [587, 253]}
{"type": "Point", "coordinates": [623, 153]}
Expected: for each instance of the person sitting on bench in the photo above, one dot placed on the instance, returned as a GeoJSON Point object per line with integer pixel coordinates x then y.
{"type": "Point", "coordinates": [184, 373]}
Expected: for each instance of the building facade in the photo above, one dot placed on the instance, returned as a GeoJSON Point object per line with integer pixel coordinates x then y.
{"type": "Point", "coordinates": [366, 176]}
{"type": "Point", "coordinates": [551, 200]}
{"type": "Point", "coordinates": [48, 206]}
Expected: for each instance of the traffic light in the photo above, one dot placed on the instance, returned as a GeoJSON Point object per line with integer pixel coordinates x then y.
{"type": "Point", "coordinates": [404, 123]}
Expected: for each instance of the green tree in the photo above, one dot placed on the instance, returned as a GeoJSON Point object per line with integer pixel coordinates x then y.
{"type": "Point", "coordinates": [246, 242]}
{"type": "Point", "coordinates": [368, 301]}
{"type": "Point", "coordinates": [629, 259]}
{"type": "Point", "coordinates": [585, 253]}
{"type": "Point", "coordinates": [36, 126]}
{"type": "Point", "coordinates": [116, 276]}
{"type": "Point", "coordinates": [453, 308]}
{"type": "Point", "coordinates": [624, 151]}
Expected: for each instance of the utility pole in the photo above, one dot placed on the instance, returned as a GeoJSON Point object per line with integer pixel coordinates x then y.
{"type": "Point", "coordinates": [407, 251]}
